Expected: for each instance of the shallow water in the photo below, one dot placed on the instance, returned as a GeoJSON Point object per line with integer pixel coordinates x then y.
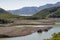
{"type": "Point", "coordinates": [32, 26]}
{"type": "Point", "coordinates": [37, 36]}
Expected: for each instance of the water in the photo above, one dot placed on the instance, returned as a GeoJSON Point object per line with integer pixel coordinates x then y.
{"type": "Point", "coordinates": [37, 36]}
{"type": "Point", "coordinates": [32, 25]}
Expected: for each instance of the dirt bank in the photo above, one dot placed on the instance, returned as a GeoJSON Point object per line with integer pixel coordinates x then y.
{"type": "Point", "coordinates": [16, 31]}
{"type": "Point", "coordinates": [29, 22]}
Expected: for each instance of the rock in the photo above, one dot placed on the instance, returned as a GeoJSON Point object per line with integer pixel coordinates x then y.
{"type": "Point", "coordinates": [4, 36]}
{"type": "Point", "coordinates": [39, 31]}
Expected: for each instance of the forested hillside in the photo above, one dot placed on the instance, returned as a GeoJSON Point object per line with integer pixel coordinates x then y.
{"type": "Point", "coordinates": [6, 17]}
{"type": "Point", "coordinates": [53, 12]}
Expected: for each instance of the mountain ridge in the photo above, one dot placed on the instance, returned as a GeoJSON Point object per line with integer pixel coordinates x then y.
{"type": "Point", "coordinates": [28, 11]}
{"type": "Point", "coordinates": [53, 12]}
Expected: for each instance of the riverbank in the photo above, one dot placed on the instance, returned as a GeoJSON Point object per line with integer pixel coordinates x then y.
{"type": "Point", "coordinates": [19, 31]}
{"type": "Point", "coordinates": [29, 22]}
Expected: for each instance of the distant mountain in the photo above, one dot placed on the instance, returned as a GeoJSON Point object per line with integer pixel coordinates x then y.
{"type": "Point", "coordinates": [57, 4]}
{"type": "Point", "coordinates": [26, 11]}
{"type": "Point", "coordinates": [53, 12]}
{"type": "Point", "coordinates": [48, 6]}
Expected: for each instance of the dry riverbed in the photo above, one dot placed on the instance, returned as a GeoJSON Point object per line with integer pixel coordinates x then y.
{"type": "Point", "coordinates": [19, 31]}
{"type": "Point", "coordinates": [24, 27]}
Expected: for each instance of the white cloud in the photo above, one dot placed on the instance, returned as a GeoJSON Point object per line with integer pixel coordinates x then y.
{"type": "Point", "coordinates": [16, 4]}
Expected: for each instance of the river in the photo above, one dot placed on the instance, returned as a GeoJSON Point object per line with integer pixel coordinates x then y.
{"type": "Point", "coordinates": [37, 36]}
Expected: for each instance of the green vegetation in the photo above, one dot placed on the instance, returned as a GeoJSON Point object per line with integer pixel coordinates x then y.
{"type": "Point", "coordinates": [55, 36]}
{"type": "Point", "coordinates": [6, 17]}
{"type": "Point", "coordinates": [27, 18]}
{"type": "Point", "coordinates": [53, 12]}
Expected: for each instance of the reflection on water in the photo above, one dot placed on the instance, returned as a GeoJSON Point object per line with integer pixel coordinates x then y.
{"type": "Point", "coordinates": [36, 36]}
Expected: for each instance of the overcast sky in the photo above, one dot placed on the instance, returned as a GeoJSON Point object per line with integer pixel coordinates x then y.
{"type": "Point", "coordinates": [17, 4]}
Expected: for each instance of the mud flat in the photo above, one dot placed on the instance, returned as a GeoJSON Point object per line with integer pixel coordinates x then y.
{"type": "Point", "coordinates": [29, 22]}
{"type": "Point", "coordinates": [19, 31]}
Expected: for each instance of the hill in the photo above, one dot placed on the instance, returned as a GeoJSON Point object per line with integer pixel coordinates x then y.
{"type": "Point", "coordinates": [6, 17]}
{"type": "Point", "coordinates": [53, 12]}
{"type": "Point", "coordinates": [28, 11]}
{"type": "Point", "coordinates": [25, 11]}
